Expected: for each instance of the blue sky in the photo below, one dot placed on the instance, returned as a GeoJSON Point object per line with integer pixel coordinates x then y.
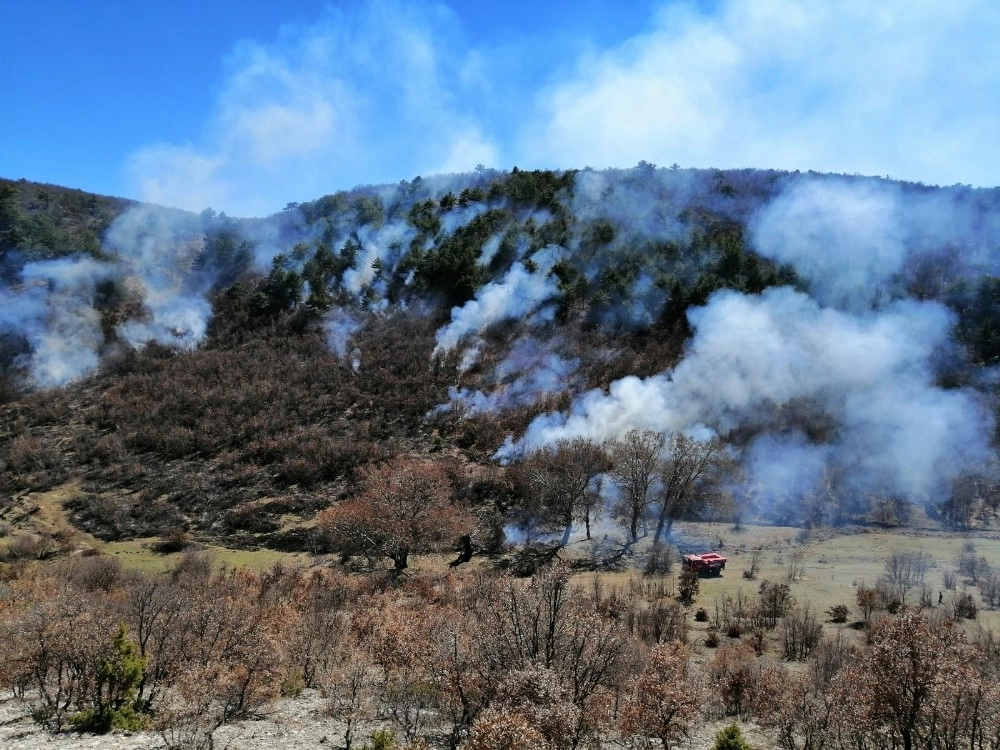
{"type": "Point", "coordinates": [246, 106]}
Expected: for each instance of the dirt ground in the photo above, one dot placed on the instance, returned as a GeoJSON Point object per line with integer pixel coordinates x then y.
{"type": "Point", "coordinates": [295, 724]}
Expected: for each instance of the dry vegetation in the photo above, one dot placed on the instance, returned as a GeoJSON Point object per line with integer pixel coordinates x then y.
{"type": "Point", "coordinates": [475, 658]}
{"type": "Point", "coordinates": [190, 538]}
{"type": "Point", "coordinates": [128, 603]}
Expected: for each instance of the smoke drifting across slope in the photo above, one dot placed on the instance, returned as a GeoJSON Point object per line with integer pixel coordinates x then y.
{"type": "Point", "coordinates": [530, 371]}
{"type": "Point", "coordinates": [519, 293]}
{"type": "Point", "coordinates": [838, 377]}
{"type": "Point", "coordinates": [53, 310]}
{"type": "Point", "coordinates": [856, 357]}
{"type": "Point", "coordinates": [153, 264]}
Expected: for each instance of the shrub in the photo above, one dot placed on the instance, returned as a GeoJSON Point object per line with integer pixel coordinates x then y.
{"type": "Point", "coordinates": [688, 586]}
{"type": "Point", "coordinates": [660, 560]}
{"type": "Point", "coordinates": [381, 739]}
{"type": "Point", "coordinates": [964, 606]}
{"type": "Point", "coordinates": [753, 565]}
{"type": "Point", "coordinates": [176, 540]}
{"type": "Point", "coordinates": [701, 615]}
{"type": "Point", "coordinates": [116, 690]}
{"type": "Point", "coordinates": [730, 738]}
{"type": "Point", "coordinates": [839, 613]}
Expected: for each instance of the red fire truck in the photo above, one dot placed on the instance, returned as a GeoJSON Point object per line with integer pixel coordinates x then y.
{"type": "Point", "coordinates": [706, 564]}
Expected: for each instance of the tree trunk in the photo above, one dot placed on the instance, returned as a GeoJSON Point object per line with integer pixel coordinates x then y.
{"type": "Point", "coordinates": [660, 523]}
{"type": "Point", "coordinates": [566, 534]}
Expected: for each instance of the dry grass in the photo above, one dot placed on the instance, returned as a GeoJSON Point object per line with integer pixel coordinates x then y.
{"type": "Point", "coordinates": [43, 514]}
{"type": "Point", "coordinates": [833, 563]}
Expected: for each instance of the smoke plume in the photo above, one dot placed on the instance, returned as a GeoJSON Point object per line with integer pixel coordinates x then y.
{"type": "Point", "coordinates": [517, 294]}
{"type": "Point", "coordinates": [530, 371]}
{"type": "Point", "coordinates": [754, 360]}
{"type": "Point", "coordinates": [53, 310]}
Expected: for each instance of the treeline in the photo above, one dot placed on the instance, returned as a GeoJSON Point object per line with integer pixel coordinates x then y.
{"type": "Point", "coordinates": [478, 660]}
{"type": "Point", "coordinates": [46, 221]}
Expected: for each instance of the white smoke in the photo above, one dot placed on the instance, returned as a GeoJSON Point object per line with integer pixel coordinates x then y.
{"type": "Point", "coordinates": [517, 294]}
{"type": "Point", "coordinates": [642, 202]}
{"type": "Point", "coordinates": [340, 325]}
{"type": "Point", "coordinates": [846, 238]}
{"type": "Point", "coordinates": [529, 372]}
{"type": "Point", "coordinates": [470, 356]}
{"type": "Point", "coordinates": [155, 250]}
{"type": "Point", "coordinates": [53, 309]}
{"type": "Point", "coordinates": [784, 468]}
{"type": "Point", "coordinates": [752, 357]}
{"type": "Point", "coordinates": [158, 248]}
{"type": "Point", "coordinates": [384, 245]}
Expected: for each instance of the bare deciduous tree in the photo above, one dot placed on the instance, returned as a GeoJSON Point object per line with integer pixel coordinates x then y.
{"type": "Point", "coordinates": [687, 467]}
{"type": "Point", "coordinates": [559, 483]}
{"type": "Point", "coordinates": [636, 459]}
{"type": "Point", "coordinates": [906, 569]}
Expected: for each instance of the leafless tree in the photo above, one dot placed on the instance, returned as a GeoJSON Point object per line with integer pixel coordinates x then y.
{"type": "Point", "coordinates": [904, 570]}
{"type": "Point", "coordinates": [794, 570]}
{"type": "Point", "coordinates": [636, 460]}
{"type": "Point", "coordinates": [687, 466]}
{"type": "Point", "coordinates": [559, 481]}
{"type": "Point", "coordinates": [753, 564]}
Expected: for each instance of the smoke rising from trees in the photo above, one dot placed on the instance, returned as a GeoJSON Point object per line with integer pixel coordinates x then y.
{"type": "Point", "coordinates": [828, 319]}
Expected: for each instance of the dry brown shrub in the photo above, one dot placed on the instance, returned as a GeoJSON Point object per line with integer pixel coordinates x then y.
{"type": "Point", "coordinates": [666, 698]}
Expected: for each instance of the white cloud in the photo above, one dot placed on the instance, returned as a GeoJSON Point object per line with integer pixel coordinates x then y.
{"type": "Point", "coordinates": [385, 90]}
{"type": "Point", "coordinates": [370, 94]}
{"type": "Point", "coordinates": [906, 88]}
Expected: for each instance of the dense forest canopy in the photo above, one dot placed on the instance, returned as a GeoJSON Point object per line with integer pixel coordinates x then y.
{"type": "Point", "coordinates": [836, 335]}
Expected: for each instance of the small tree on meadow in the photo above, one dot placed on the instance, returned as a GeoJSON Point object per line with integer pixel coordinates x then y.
{"type": "Point", "coordinates": [404, 506]}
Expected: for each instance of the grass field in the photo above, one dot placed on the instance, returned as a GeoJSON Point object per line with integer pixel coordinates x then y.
{"type": "Point", "coordinates": [830, 566]}
{"type": "Point", "coordinates": [830, 563]}
{"type": "Point", "coordinates": [43, 513]}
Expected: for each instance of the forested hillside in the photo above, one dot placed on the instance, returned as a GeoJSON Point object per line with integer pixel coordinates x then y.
{"type": "Point", "coordinates": [829, 340]}
{"type": "Point", "coordinates": [534, 377]}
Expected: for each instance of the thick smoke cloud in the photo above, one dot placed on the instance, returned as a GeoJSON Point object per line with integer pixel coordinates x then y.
{"type": "Point", "coordinates": [845, 238]}
{"type": "Point", "coordinates": [753, 358]}
{"type": "Point", "coordinates": [837, 382]}
{"type": "Point", "coordinates": [54, 305]}
{"type": "Point", "coordinates": [788, 85]}
{"type": "Point", "coordinates": [158, 249]}
{"type": "Point", "coordinates": [642, 202]}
